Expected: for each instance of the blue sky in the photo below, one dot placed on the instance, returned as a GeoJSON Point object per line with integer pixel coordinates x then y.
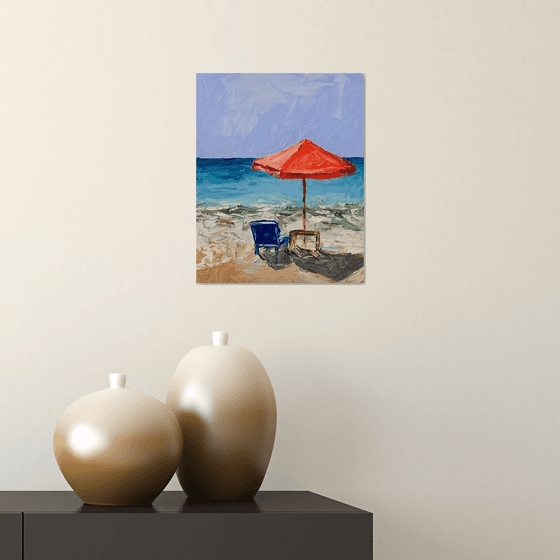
{"type": "Point", "coordinates": [253, 115]}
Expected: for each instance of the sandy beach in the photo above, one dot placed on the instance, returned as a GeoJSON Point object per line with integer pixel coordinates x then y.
{"type": "Point", "coordinates": [226, 252]}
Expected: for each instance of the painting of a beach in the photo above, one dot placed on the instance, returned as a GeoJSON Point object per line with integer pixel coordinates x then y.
{"type": "Point", "coordinates": [280, 178]}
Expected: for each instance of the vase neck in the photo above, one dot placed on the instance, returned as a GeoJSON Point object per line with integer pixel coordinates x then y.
{"type": "Point", "coordinates": [220, 338]}
{"type": "Point", "coordinates": [117, 380]}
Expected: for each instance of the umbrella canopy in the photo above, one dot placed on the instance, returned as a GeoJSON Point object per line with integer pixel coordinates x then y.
{"type": "Point", "coordinates": [304, 160]}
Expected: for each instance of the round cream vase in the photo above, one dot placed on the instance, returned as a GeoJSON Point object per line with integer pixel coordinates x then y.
{"type": "Point", "coordinates": [118, 447]}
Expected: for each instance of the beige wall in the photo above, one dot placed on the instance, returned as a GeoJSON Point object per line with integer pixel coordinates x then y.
{"type": "Point", "coordinates": [429, 395]}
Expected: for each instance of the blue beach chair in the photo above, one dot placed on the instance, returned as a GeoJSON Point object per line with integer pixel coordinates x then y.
{"type": "Point", "coordinates": [266, 233]}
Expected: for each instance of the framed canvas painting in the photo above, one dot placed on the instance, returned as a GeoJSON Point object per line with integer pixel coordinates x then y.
{"type": "Point", "coordinates": [280, 178]}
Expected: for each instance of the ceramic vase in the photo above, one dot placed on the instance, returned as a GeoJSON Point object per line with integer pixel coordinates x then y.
{"type": "Point", "coordinates": [225, 405]}
{"type": "Point", "coordinates": [118, 447]}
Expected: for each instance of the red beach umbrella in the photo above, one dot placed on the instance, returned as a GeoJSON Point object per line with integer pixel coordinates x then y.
{"type": "Point", "coordinates": [304, 160]}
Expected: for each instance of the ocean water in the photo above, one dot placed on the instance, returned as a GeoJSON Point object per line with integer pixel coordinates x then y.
{"type": "Point", "coordinates": [232, 181]}
{"type": "Point", "coordinates": [230, 195]}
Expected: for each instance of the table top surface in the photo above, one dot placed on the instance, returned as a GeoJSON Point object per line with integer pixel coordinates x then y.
{"type": "Point", "coordinates": [175, 502]}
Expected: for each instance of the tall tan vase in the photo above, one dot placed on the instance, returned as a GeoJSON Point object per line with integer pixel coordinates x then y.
{"type": "Point", "coordinates": [118, 447]}
{"type": "Point", "coordinates": [225, 405]}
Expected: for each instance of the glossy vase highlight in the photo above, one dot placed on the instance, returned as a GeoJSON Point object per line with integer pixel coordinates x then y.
{"type": "Point", "coordinates": [225, 405]}
{"type": "Point", "coordinates": [118, 447]}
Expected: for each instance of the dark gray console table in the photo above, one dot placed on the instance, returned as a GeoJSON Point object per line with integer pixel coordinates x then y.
{"type": "Point", "coordinates": [273, 526]}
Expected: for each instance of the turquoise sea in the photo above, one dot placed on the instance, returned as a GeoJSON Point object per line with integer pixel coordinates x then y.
{"type": "Point", "coordinates": [232, 181]}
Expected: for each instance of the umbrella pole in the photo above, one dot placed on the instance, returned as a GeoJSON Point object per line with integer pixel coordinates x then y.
{"type": "Point", "coordinates": [304, 212]}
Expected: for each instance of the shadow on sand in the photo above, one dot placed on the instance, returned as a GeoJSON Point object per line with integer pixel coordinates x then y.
{"type": "Point", "coordinates": [336, 266]}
